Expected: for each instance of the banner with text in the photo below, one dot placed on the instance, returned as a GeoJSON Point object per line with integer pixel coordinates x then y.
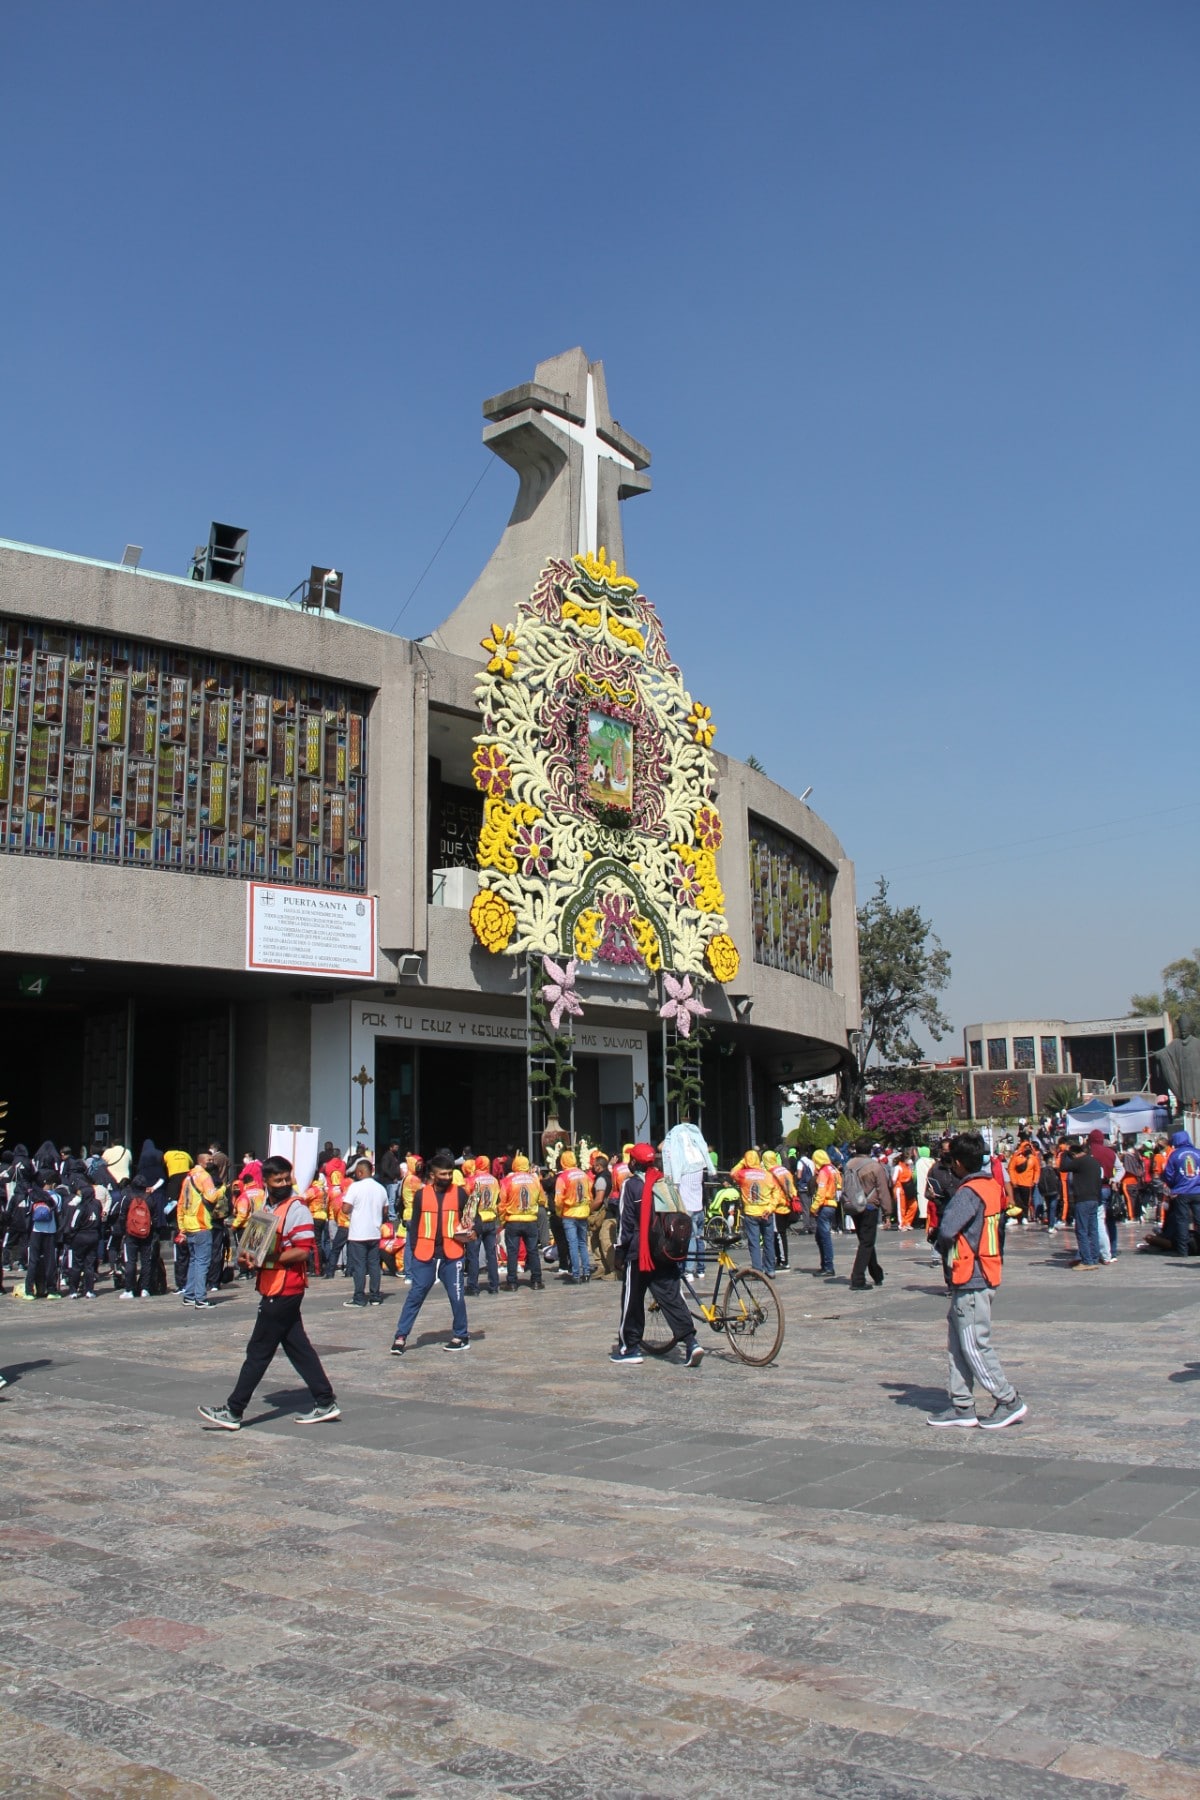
{"type": "Point", "coordinates": [304, 931]}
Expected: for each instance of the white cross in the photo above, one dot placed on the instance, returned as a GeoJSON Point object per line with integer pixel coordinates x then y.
{"type": "Point", "coordinates": [594, 447]}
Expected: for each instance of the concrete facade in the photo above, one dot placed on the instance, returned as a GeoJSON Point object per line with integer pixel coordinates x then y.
{"type": "Point", "coordinates": [1013, 1064]}
{"type": "Point", "coordinates": [102, 933]}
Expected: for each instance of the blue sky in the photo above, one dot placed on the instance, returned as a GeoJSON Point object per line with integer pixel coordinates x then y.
{"type": "Point", "coordinates": [902, 297]}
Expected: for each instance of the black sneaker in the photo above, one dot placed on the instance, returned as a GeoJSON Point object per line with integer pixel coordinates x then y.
{"type": "Point", "coordinates": [693, 1355]}
{"type": "Point", "coordinates": [456, 1344]}
{"type": "Point", "coordinates": [399, 1347]}
{"type": "Point", "coordinates": [358, 1305]}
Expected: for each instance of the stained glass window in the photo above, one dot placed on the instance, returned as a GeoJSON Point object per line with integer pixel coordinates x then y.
{"type": "Point", "coordinates": [1023, 1053]}
{"type": "Point", "coordinates": [1049, 1056]}
{"type": "Point", "coordinates": [997, 1053]}
{"type": "Point", "coordinates": [791, 896]}
{"type": "Point", "coordinates": [117, 751]}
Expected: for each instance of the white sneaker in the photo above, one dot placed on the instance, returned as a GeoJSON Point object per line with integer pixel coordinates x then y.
{"type": "Point", "coordinates": [126, 1295]}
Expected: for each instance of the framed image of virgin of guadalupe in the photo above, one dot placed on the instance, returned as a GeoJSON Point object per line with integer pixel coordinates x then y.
{"type": "Point", "coordinates": [258, 1239]}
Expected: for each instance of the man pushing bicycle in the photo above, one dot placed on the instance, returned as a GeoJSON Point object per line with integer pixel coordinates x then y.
{"type": "Point", "coordinates": [640, 1258]}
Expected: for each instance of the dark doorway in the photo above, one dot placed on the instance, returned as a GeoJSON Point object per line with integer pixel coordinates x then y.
{"type": "Point", "coordinates": [41, 1073]}
{"type": "Point", "coordinates": [475, 1097]}
{"type": "Point", "coordinates": [395, 1095]}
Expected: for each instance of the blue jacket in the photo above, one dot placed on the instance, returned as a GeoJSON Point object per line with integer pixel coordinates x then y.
{"type": "Point", "coordinates": [1182, 1173]}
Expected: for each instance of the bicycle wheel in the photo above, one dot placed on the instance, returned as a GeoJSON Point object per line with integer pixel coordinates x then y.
{"type": "Point", "coordinates": [753, 1317]}
{"type": "Point", "coordinates": [657, 1338]}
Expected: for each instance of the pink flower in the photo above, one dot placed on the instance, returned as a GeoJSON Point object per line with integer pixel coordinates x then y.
{"type": "Point", "coordinates": [559, 990]}
{"type": "Point", "coordinates": [681, 1005]}
{"type": "Point", "coordinates": [618, 944]}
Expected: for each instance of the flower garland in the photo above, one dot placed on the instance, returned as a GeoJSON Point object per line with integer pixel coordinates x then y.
{"type": "Point", "coordinates": [565, 874]}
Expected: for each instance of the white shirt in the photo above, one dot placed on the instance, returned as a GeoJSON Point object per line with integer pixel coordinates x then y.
{"type": "Point", "coordinates": [367, 1201]}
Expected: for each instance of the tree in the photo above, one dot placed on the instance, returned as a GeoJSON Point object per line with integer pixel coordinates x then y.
{"type": "Point", "coordinates": [943, 1088]}
{"type": "Point", "coordinates": [1180, 996]}
{"type": "Point", "coordinates": [896, 1114]}
{"type": "Point", "coordinates": [902, 970]}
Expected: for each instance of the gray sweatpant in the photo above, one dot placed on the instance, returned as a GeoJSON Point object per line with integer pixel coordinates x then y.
{"type": "Point", "coordinates": [972, 1359]}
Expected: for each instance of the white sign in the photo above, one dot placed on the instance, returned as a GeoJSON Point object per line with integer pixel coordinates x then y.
{"type": "Point", "coordinates": [304, 931]}
{"type": "Point", "coordinates": [299, 1144]}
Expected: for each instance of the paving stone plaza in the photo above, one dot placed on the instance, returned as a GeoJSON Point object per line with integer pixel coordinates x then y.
{"type": "Point", "coordinates": [523, 1571]}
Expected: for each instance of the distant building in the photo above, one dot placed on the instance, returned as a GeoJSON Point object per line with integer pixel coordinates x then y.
{"type": "Point", "coordinates": [1013, 1064]}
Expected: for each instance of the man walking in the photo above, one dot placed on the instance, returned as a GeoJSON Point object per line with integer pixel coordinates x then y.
{"type": "Point", "coordinates": [642, 1273]}
{"type": "Point", "coordinates": [873, 1179]}
{"type": "Point", "coordinates": [969, 1240]}
{"type": "Point", "coordinates": [438, 1251]}
{"type": "Point", "coordinates": [366, 1201]}
{"type": "Point", "coordinates": [282, 1281]}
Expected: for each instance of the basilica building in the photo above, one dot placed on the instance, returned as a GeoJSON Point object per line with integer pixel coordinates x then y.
{"type": "Point", "coordinates": [264, 864]}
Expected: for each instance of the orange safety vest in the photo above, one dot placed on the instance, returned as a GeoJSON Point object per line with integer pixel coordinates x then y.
{"type": "Point", "coordinates": [962, 1258]}
{"type": "Point", "coordinates": [272, 1281]}
{"type": "Point", "coordinates": [425, 1248]}
{"type": "Point", "coordinates": [485, 1192]}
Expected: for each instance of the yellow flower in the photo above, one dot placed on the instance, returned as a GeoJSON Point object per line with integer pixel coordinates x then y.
{"type": "Point", "coordinates": [504, 652]}
{"type": "Point", "coordinates": [497, 832]}
{"type": "Point", "coordinates": [723, 958]}
{"type": "Point", "coordinates": [700, 724]}
{"type": "Point", "coordinates": [647, 942]}
{"type": "Point", "coordinates": [492, 920]}
{"type": "Point", "coordinates": [587, 935]}
{"type": "Point", "coordinates": [710, 896]}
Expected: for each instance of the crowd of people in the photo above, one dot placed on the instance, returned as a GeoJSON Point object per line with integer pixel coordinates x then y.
{"type": "Point", "coordinates": [477, 1223]}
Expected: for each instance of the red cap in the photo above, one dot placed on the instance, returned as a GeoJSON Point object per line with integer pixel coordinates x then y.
{"type": "Point", "coordinates": [642, 1155]}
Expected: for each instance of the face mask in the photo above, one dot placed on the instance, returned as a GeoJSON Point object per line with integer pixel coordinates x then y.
{"type": "Point", "coordinates": [283, 1192]}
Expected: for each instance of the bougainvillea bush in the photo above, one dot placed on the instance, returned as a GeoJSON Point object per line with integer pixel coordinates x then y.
{"type": "Point", "coordinates": [891, 1114]}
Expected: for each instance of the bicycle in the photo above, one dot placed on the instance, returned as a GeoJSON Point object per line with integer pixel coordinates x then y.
{"type": "Point", "coordinates": [749, 1311]}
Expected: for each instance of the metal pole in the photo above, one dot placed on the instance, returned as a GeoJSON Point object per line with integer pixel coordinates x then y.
{"type": "Point", "coordinates": [130, 1015]}
{"type": "Point", "coordinates": [529, 1060]}
{"type": "Point", "coordinates": [750, 1098]}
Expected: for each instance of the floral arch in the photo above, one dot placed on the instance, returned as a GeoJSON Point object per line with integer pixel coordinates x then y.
{"type": "Point", "coordinates": [600, 827]}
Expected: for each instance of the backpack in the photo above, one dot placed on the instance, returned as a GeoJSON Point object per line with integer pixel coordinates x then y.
{"type": "Point", "coordinates": [670, 1224]}
{"type": "Point", "coordinates": [139, 1221]}
{"type": "Point", "coordinates": [854, 1194]}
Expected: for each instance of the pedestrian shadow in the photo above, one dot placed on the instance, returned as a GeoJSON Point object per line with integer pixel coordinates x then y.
{"type": "Point", "coordinates": [906, 1393]}
{"type": "Point", "coordinates": [13, 1372]}
{"type": "Point", "coordinates": [1189, 1372]}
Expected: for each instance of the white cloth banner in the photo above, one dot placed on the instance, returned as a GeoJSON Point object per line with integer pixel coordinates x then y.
{"type": "Point", "coordinates": [299, 1144]}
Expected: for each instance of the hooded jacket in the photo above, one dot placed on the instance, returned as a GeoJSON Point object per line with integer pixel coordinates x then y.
{"type": "Point", "coordinates": [151, 1169]}
{"type": "Point", "coordinates": [1182, 1173]}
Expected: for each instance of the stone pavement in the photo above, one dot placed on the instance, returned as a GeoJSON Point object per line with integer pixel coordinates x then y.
{"type": "Point", "coordinates": [526, 1572]}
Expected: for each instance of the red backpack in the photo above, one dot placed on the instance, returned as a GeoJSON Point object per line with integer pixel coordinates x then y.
{"type": "Point", "coordinates": [138, 1220]}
